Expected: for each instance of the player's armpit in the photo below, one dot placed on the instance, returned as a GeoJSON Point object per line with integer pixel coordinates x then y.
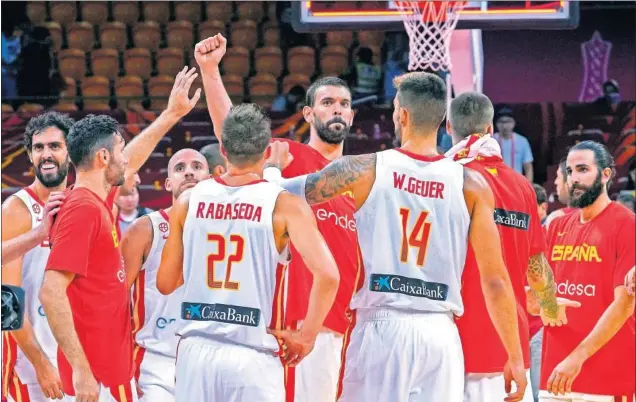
{"type": "Point", "coordinates": [495, 280]}
{"type": "Point", "coordinates": [351, 173]}
{"type": "Point", "coordinates": [541, 281]}
{"type": "Point", "coordinates": [302, 230]}
{"type": "Point", "coordinates": [60, 316]}
{"type": "Point", "coordinates": [170, 272]}
{"type": "Point", "coordinates": [135, 247]}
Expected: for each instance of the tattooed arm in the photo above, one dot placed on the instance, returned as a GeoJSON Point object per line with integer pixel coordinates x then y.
{"type": "Point", "coordinates": [352, 173]}
{"type": "Point", "coordinates": [541, 281]}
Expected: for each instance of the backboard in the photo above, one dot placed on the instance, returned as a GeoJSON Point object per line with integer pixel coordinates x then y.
{"type": "Point", "coordinates": [322, 16]}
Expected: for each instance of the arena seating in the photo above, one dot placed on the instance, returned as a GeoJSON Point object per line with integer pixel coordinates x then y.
{"type": "Point", "coordinates": [107, 42]}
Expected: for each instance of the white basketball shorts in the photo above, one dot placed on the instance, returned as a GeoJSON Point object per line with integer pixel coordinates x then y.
{"type": "Point", "coordinates": [316, 377]}
{"type": "Point", "coordinates": [393, 355]}
{"type": "Point", "coordinates": [209, 370]}
{"type": "Point", "coordinates": [156, 378]}
{"type": "Point", "coordinates": [488, 387]}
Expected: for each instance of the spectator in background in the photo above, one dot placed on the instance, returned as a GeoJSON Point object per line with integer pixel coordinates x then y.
{"type": "Point", "coordinates": [365, 77]}
{"type": "Point", "coordinates": [608, 103]}
{"type": "Point", "coordinates": [626, 197]}
{"type": "Point", "coordinates": [542, 201]}
{"type": "Point", "coordinates": [290, 103]}
{"type": "Point", "coordinates": [129, 209]}
{"type": "Point", "coordinates": [11, 48]}
{"type": "Point", "coordinates": [397, 63]}
{"type": "Point", "coordinates": [216, 161]}
{"type": "Point", "coordinates": [515, 148]}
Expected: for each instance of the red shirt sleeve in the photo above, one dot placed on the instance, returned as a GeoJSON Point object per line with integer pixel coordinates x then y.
{"type": "Point", "coordinates": [73, 235]}
{"type": "Point", "coordinates": [625, 254]}
{"type": "Point", "coordinates": [537, 232]}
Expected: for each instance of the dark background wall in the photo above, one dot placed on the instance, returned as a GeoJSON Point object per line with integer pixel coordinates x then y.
{"type": "Point", "coordinates": [546, 66]}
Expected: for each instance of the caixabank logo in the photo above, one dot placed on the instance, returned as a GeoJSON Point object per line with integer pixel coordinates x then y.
{"type": "Point", "coordinates": [512, 219]}
{"type": "Point", "coordinates": [221, 313]}
{"type": "Point", "coordinates": [387, 283]}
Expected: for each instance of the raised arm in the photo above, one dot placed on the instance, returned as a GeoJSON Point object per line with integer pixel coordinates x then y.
{"type": "Point", "coordinates": [179, 105]}
{"type": "Point", "coordinates": [298, 221]}
{"type": "Point", "coordinates": [208, 54]}
{"type": "Point", "coordinates": [135, 247]}
{"type": "Point", "coordinates": [170, 273]}
{"type": "Point", "coordinates": [495, 281]}
{"type": "Point", "coordinates": [16, 224]}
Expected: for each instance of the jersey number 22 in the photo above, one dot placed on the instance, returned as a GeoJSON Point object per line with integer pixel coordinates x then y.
{"type": "Point", "coordinates": [222, 256]}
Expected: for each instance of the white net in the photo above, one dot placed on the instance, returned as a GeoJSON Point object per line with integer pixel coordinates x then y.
{"type": "Point", "coordinates": [429, 25]}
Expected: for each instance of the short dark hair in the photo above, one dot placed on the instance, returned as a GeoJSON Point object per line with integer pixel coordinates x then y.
{"type": "Point", "coordinates": [602, 157]}
{"type": "Point", "coordinates": [246, 134]}
{"type": "Point", "coordinates": [40, 123]}
{"type": "Point", "coordinates": [542, 195]}
{"type": "Point", "coordinates": [90, 134]}
{"type": "Point", "coordinates": [212, 153]}
{"type": "Point", "coordinates": [470, 113]}
{"type": "Point", "coordinates": [563, 166]}
{"type": "Point", "coordinates": [310, 98]}
{"type": "Point", "coordinates": [424, 96]}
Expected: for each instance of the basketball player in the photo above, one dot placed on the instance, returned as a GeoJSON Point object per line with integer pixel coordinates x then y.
{"type": "Point", "coordinates": [329, 114]}
{"type": "Point", "coordinates": [216, 161]}
{"type": "Point", "coordinates": [18, 246]}
{"type": "Point", "coordinates": [84, 292]}
{"type": "Point", "coordinates": [29, 360]}
{"type": "Point", "coordinates": [563, 195]}
{"type": "Point", "coordinates": [155, 315]}
{"type": "Point", "coordinates": [591, 250]}
{"type": "Point", "coordinates": [523, 247]}
{"type": "Point", "coordinates": [416, 213]}
{"type": "Point", "coordinates": [241, 225]}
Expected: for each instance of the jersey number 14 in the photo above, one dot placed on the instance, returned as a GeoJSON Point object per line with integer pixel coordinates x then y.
{"type": "Point", "coordinates": [417, 237]}
{"type": "Point", "coordinates": [221, 256]}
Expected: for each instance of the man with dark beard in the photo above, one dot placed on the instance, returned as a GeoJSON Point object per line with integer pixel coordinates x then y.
{"type": "Point", "coordinates": [30, 370]}
{"type": "Point", "coordinates": [329, 114]}
{"type": "Point", "coordinates": [591, 251]}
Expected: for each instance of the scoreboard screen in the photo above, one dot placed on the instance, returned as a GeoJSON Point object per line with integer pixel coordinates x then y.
{"type": "Point", "coordinates": [317, 16]}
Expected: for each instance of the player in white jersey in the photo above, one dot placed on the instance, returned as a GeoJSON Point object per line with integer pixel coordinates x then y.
{"type": "Point", "coordinates": [228, 247]}
{"type": "Point", "coordinates": [155, 315]}
{"type": "Point", "coordinates": [416, 215]}
{"type": "Point", "coordinates": [30, 354]}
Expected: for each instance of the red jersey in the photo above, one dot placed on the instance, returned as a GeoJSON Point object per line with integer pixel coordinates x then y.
{"type": "Point", "coordinates": [589, 261]}
{"type": "Point", "coordinates": [84, 241]}
{"type": "Point", "coordinates": [522, 236]}
{"type": "Point", "coordinates": [338, 226]}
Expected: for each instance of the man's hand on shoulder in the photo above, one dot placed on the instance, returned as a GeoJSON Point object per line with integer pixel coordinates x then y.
{"type": "Point", "coordinates": [279, 156]}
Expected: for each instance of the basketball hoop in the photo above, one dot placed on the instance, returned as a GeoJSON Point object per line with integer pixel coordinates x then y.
{"type": "Point", "coordinates": [429, 25]}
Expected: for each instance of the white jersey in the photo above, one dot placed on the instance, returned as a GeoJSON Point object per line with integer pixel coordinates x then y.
{"type": "Point", "coordinates": [33, 264]}
{"type": "Point", "coordinates": [233, 272]}
{"type": "Point", "coordinates": [155, 315]}
{"type": "Point", "coordinates": [413, 235]}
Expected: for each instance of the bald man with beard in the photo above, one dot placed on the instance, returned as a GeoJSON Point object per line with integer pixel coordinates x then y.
{"type": "Point", "coordinates": [154, 315]}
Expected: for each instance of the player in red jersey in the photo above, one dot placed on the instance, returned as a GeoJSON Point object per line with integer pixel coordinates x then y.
{"type": "Point", "coordinates": [329, 113]}
{"type": "Point", "coordinates": [591, 250]}
{"type": "Point", "coordinates": [561, 185]}
{"type": "Point", "coordinates": [523, 246]}
{"type": "Point", "coordinates": [84, 293]}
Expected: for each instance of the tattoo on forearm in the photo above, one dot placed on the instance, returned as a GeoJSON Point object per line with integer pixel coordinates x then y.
{"type": "Point", "coordinates": [338, 177]}
{"type": "Point", "coordinates": [541, 280]}
{"type": "Point", "coordinates": [60, 318]}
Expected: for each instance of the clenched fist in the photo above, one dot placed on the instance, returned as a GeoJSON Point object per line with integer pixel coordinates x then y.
{"type": "Point", "coordinates": [209, 52]}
